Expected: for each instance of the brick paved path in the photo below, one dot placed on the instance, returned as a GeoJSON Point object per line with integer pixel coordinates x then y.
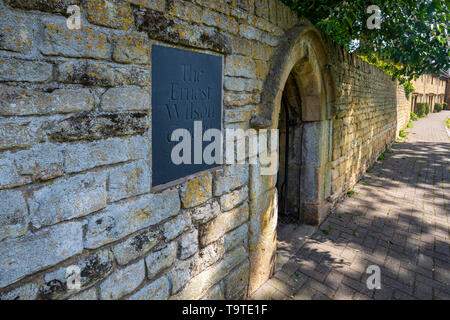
{"type": "Point", "coordinates": [398, 219]}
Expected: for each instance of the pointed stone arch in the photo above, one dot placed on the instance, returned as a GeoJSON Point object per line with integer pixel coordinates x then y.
{"type": "Point", "coordinates": [302, 51]}
{"type": "Point", "coordinates": [302, 57]}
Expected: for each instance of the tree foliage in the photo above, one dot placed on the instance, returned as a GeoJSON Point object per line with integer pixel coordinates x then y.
{"type": "Point", "coordinates": [413, 38]}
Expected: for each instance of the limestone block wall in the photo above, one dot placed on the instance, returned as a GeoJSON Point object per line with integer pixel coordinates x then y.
{"type": "Point", "coordinates": [403, 108]}
{"type": "Point", "coordinates": [76, 149]}
{"type": "Point", "coordinates": [365, 119]}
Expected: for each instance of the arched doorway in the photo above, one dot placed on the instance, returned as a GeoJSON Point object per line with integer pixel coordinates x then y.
{"type": "Point", "coordinates": [290, 127]}
{"type": "Point", "coordinates": [303, 124]}
{"type": "Point", "coordinates": [300, 82]}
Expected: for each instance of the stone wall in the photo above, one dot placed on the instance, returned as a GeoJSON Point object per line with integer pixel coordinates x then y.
{"type": "Point", "coordinates": [403, 108]}
{"type": "Point", "coordinates": [365, 122]}
{"type": "Point", "coordinates": [75, 174]}
{"type": "Point", "coordinates": [75, 149]}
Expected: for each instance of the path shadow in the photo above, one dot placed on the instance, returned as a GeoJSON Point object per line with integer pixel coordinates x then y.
{"type": "Point", "coordinates": [398, 220]}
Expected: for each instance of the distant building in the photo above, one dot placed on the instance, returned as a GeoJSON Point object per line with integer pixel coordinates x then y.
{"type": "Point", "coordinates": [431, 89]}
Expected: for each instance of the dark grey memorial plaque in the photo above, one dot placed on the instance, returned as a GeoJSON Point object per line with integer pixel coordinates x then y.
{"type": "Point", "coordinates": [186, 87]}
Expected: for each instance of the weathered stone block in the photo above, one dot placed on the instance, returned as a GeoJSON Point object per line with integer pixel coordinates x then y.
{"type": "Point", "coordinates": [233, 199]}
{"type": "Point", "coordinates": [129, 180]}
{"type": "Point", "coordinates": [93, 126]}
{"type": "Point", "coordinates": [229, 178]}
{"type": "Point", "coordinates": [9, 176]}
{"type": "Point", "coordinates": [235, 115]}
{"type": "Point", "coordinates": [68, 198]}
{"type": "Point", "coordinates": [19, 133]}
{"type": "Point", "coordinates": [215, 293]}
{"type": "Point", "coordinates": [188, 244]}
{"type": "Point", "coordinates": [93, 269]}
{"type": "Point", "coordinates": [35, 251]}
{"type": "Point", "coordinates": [186, 11]}
{"type": "Point", "coordinates": [27, 291]}
{"type": "Point", "coordinates": [103, 152]}
{"type": "Point", "coordinates": [134, 48]}
{"type": "Point", "coordinates": [110, 13]}
{"type": "Point", "coordinates": [216, 228]}
{"type": "Point", "coordinates": [249, 32]}
{"type": "Point", "coordinates": [159, 5]}
{"type": "Point", "coordinates": [89, 294]}
{"type": "Point", "coordinates": [91, 72]}
{"type": "Point", "coordinates": [232, 99]}
{"type": "Point", "coordinates": [18, 101]}
{"type": "Point", "coordinates": [206, 212]}
{"type": "Point", "coordinates": [236, 283]}
{"type": "Point", "coordinates": [13, 214]}
{"type": "Point", "coordinates": [262, 237]}
{"type": "Point", "coordinates": [157, 290]}
{"type": "Point", "coordinates": [251, 49]}
{"type": "Point", "coordinates": [237, 237]}
{"type": "Point", "coordinates": [123, 281]}
{"type": "Point", "coordinates": [262, 9]}
{"type": "Point", "coordinates": [273, 11]}
{"type": "Point", "coordinates": [223, 22]}
{"type": "Point", "coordinates": [121, 219]}
{"type": "Point", "coordinates": [86, 42]}
{"type": "Point", "coordinates": [16, 33]}
{"type": "Point", "coordinates": [247, 5]}
{"type": "Point", "coordinates": [240, 66]}
{"type": "Point", "coordinates": [260, 184]}
{"type": "Point", "coordinates": [126, 99]}
{"type": "Point", "coordinates": [159, 260]}
{"type": "Point", "coordinates": [173, 228]}
{"type": "Point", "coordinates": [136, 246]}
{"type": "Point", "coordinates": [24, 70]}
{"type": "Point", "coordinates": [59, 6]}
{"type": "Point", "coordinates": [196, 191]}
{"type": "Point", "coordinates": [210, 254]}
{"type": "Point", "coordinates": [42, 162]}
{"type": "Point", "coordinates": [177, 31]}
{"type": "Point", "coordinates": [182, 272]}
{"type": "Point", "coordinates": [241, 84]}
{"type": "Point", "coordinates": [200, 283]}
{"type": "Point", "coordinates": [244, 126]}
{"type": "Point", "coordinates": [218, 6]}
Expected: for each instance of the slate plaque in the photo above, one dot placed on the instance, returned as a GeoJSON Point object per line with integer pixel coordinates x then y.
{"type": "Point", "coordinates": [186, 87]}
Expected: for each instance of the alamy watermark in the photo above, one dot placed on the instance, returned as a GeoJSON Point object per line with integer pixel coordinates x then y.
{"type": "Point", "coordinates": [241, 146]}
{"type": "Point", "coordinates": [74, 20]}
{"type": "Point", "coordinates": [374, 280]}
{"type": "Point", "coordinates": [73, 276]}
{"type": "Point", "coordinates": [374, 20]}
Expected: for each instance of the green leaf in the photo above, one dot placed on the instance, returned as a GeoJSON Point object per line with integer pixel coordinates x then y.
{"type": "Point", "coordinates": [412, 39]}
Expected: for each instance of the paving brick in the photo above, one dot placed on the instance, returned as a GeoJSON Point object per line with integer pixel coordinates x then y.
{"type": "Point", "coordinates": [400, 232]}
{"type": "Point", "coordinates": [344, 293]}
{"type": "Point", "coordinates": [385, 293]}
{"type": "Point", "coordinates": [423, 291]}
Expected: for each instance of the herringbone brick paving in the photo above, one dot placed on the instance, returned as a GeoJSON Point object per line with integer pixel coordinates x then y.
{"type": "Point", "coordinates": [398, 219]}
